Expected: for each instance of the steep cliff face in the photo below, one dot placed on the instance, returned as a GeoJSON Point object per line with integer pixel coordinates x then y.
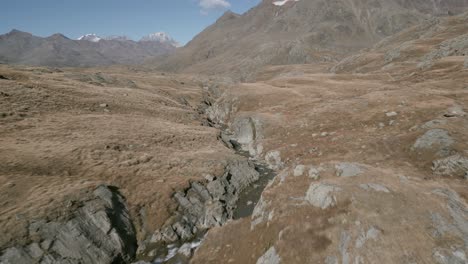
{"type": "Point", "coordinates": [299, 32]}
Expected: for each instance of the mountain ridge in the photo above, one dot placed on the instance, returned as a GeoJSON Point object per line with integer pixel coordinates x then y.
{"type": "Point", "coordinates": [298, 32]}
{"type": "Point", "coordinates": [161, 37]}
{"type": "Point", "coordinates": [57, 50]}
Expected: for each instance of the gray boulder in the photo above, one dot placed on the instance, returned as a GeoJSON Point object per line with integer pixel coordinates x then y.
{"type": "Point", "coordinates": [347, 169]}
{"type": "Point", "coordinates": [437, 140]}
{"type": "Point", "coordinates": [273, 159]}
{"type": "Point", "coordinates": [455, 166]}
{"type": "Point", "coordinates": [314, 173]}
{"type": "Point", "coordinates": [270, 257]}
{"type": "Point", "coordinates": [299, 170]}
{"type": "Point", "coordinates": [321, 195]}
{"type": "Point", "coordinates": [375, 187]}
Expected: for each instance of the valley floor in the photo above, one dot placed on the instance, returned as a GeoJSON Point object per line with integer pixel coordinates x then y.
{"type": "Point", "coordinates": [371, 156]}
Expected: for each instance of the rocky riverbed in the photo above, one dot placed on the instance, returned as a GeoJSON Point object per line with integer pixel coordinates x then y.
{"type": "Point", "coordinates": [212, 202]}
{"type": "Point", "coordinates": [181, 249]}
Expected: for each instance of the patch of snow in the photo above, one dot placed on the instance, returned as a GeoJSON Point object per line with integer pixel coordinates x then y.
{"type": "Point", "coordinates": [283, 2]}
{"type": "Point", "coordinates": [161, 37]}
{"type": "Point", "coordinates": [90, 37]}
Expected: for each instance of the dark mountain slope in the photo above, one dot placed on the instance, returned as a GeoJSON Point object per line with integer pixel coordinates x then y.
{"type": "Point", "coordinates": [306, 31]}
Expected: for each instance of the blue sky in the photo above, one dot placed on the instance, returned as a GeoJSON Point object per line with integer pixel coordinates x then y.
{"type": "Point", "coordinates": [182, 19]}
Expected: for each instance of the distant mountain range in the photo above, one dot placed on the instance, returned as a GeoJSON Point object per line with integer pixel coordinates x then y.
{"type": "Point", "coordinates": [17, 47]}
{"type": "Point", "coordinates": [275, 32]}
{"type": "Point", "coordinates": [278, 32]}
{"type": "Point", "coordinates": [160, 37]}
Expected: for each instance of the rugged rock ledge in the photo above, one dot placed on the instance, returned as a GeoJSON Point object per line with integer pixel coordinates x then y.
{"type": "Point", "coordinates": [202, 206]}
{"type": "Point", "coordinates": [98, 231]}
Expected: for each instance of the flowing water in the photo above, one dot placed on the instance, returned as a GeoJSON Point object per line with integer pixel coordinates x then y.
{"type": "Point", "coordinates": [248, 199]}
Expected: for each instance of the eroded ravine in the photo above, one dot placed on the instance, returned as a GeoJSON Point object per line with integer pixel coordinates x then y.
{"type": "Point", "coordinates": [180, 251]}
{"type": "Point", "coordinates": [209, 203]}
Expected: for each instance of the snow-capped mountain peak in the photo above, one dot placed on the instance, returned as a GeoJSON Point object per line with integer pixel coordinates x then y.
{"type": "Point", "coordinates": [90, 37]}
{"type": "Point", "coordinates": [161, 37]}
{"type": "Point", "coordinates": [282, 2]}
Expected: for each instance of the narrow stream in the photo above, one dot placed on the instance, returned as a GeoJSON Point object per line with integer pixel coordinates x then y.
{"type": "Point", "coordinates": [248, 199]}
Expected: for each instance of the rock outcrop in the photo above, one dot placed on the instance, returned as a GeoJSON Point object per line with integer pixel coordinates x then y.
{"type": "Point", "coordinates": [348, 169]}
{"type": "Point", "coordinates": [438, 141]}
{"type": "Point", "coordinates": [99, 231]}
{"type": "Point", "coordinates": [207, 205]}
{"type": "Point", "coordinates": [453, 47]}
{"type": "Point", "coordinates": [270, 257]}
{"type": "Point", "coordinates": [453, 166]}
{"type": "Point", "coordinates": [321, 195]}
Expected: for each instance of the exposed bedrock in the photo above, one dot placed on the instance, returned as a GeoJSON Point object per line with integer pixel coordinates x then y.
{"type": "Point", "coordinates": [206, 205]}
{"type": "Point", "coordinates": [219, 107]}
{"type": "Point", "coordinates": [245, 133]}
{"type": "Point", "coordinates": [242, 132]}
{"type": "Point", "coordinates": [98, 231]}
